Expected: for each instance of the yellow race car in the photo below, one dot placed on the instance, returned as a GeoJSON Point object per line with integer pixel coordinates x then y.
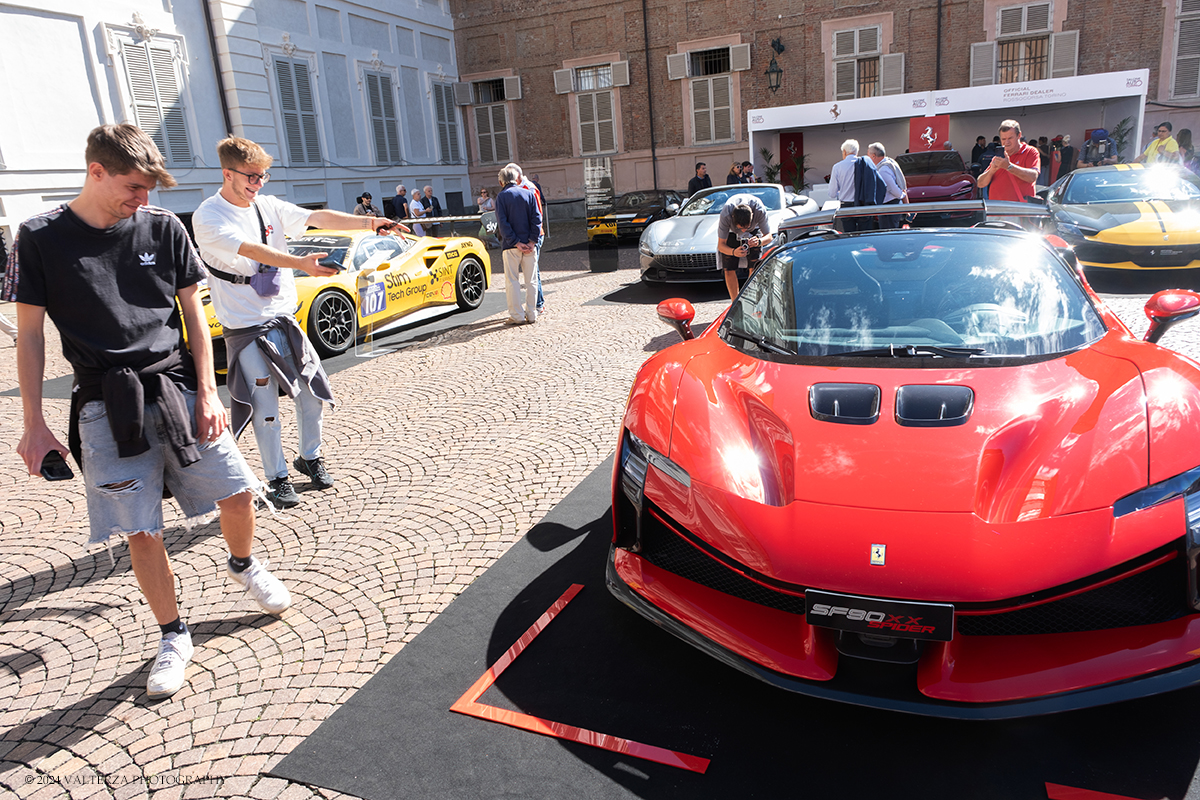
{"type": "Point", "coordinates": [383, 277]}
{"type": "Point", "coordinates": [1129, 217]}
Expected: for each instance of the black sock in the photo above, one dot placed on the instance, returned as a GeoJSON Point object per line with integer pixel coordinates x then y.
{"type": "Point", "coordinates": [178, 626]}
{"type": "Point", "coordinates": [239, 564]}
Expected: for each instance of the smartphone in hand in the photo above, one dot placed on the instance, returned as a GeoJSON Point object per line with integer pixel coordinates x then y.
{"type": "Point", "coordinates": [56, 468]}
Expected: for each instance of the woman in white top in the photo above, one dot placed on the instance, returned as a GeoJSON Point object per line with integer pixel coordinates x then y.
{"type": "Point", "coordinates": [485, 201]}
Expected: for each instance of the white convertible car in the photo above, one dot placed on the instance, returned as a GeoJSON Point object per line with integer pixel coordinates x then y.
{"type": "Point", "coordinates": [683, 248]}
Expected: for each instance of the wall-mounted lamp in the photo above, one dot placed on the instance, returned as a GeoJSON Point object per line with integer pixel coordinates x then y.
{"type": "Point", "coordinates": [775, 72]}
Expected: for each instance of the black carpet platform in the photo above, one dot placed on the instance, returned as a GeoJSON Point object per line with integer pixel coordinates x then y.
{"type": "Point", "coordinates": [601, 667]}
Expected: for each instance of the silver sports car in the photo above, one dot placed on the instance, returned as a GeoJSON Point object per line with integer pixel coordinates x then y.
{"type": "Point", "coordinates": [683, 248]}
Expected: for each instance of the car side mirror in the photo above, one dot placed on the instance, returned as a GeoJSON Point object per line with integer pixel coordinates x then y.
{"type": "Point", "coordinates": [799, 200]}
{"type": "Point", "coordinates": [672, 208]}
{"type": "Point", "coordinates": [679, 313]}
{"type": "Point", "coordinates": [1168, 307]}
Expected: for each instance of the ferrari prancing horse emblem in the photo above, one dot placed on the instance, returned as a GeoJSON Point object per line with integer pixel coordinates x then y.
{"type": "Point", "coordinates": [878, 555]}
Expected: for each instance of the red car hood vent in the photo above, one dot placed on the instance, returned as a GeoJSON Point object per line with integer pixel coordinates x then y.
{"type": "Point", "coordinates": [1010, 443]}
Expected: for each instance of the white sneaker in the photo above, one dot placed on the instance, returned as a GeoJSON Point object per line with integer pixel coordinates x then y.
{"type": "Point", "coordinates": [264, 587]}
{"type": "Point", "coordinates": [170, 665]}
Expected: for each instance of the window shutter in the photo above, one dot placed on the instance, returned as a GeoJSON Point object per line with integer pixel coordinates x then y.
{"type": "Point", "coordinates": [891, 74]}
{"type": "Point", "coordinates": [1064, 54]}
{"type": "Point", "coordinates": [605, 132]}
{"type": "Point", "coordinates": [983, 63]}
{"type": "Point", "coordinates": [155, 91]}
{"type": "Point", "coordinates": [500, 131]}
{"type": "Point", "coordinates": [722, 114]}
{"type": "Point", "coordinates": [620, 73]}
{"type": "Point", "coordinates": [462, 94]}
{"type": "Point", "coordinates": [383, 118]}
{"type": "Point", "coordinates": [443, 102]}
{"type": "Point", "coordinates": [844, 80]}
{"type": "Point", "coordinates": [388, 99]}
{"type": "Point", "coordinates": [1012, 21]}
{"type": "Point", "coordinates": [739, 57]}
{"type": "Point", "coordinates": [702, 110]}
{"type": "Point", "coordinates": [564, 81]}
{"type": "Point", "coordinates": [483, 131]}
{"type": "Point", "coordinates": [298, 111]}
{"type": "Point", "coordinates": [1187, 59]}
{"type": "Point", "coordinates": [868, 40]}
{"type": "Point", "coordinates": [512, 88]}
{"type": "Point", "coordinates": [587, 123]}
{"type": "Point", "coordinates": [1189, 6]}
{"type": "Point", "coordinates": [677, 66]}
{"type": "Point", "coordinates": [174, 127]}
{"type": "Point", "coordinates": [844, 44]}
{"type": "Point", "coordinates": [1037, 18]}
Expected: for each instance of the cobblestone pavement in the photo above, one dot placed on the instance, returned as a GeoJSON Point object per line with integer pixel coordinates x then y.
{"type": "Point", "coordinates": [445, 453]}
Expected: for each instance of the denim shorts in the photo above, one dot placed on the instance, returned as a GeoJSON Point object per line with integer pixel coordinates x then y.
{"type": "Point", "coordinates": [124, 495]}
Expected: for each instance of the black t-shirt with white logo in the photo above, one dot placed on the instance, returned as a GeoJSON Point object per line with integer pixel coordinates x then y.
{"type": "Point", "coordinates": [110, 293]}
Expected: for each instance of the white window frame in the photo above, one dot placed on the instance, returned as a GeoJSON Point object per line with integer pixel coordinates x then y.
{"type": "Point", "coordinates": [711, 100]}
{"type": "Point", "coordinates": [492, 140]}
{"type": "Point", "coordinates": [595, 112]}
{"type": "Point", "coordinates": [173, 129]}
{"type": "Point", "coordinates": [1185, 53]}
{"type": "Point", "coordinates": [296, 121]}
{"type": "Point", "coordinates": [1014, 21]}
{"type": "Point", "coordinates": [388, 127]}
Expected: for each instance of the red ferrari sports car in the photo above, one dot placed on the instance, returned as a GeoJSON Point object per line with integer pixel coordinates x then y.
{"type": "Point", "coordinates": [924, 470]}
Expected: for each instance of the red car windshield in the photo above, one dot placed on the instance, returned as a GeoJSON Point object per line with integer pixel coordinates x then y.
{"type": "Point", "coordinates": [966, 294]}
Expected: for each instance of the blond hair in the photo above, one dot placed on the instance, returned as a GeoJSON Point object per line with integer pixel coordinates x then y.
{"type": "Point", "coordinates": [126, 148]}
{"type": "Point", "coordinates": [236, 152]}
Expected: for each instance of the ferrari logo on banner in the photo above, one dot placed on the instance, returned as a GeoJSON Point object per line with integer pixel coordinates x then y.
{"type": "Point", "coordinates": [928, 133]}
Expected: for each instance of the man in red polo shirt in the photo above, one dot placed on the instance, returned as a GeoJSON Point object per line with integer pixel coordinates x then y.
{"type": "Point", "coordinates": [1011, 176]}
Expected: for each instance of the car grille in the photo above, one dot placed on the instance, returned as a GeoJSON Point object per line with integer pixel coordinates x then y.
{"type": "Point", "coordinates": [667, 550]}
{"type": "Point", "coordinates": [1153, 595]}
{"type": "Point", "coordinates": [1146, 257]}
{"type": "Point", "coordinates": [686, 262]}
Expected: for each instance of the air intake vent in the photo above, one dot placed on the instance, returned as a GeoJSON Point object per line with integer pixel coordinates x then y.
{"type": "Point", "coordinates": [934, 406]}
{"type": "Point", "coordinates": [847, 403]}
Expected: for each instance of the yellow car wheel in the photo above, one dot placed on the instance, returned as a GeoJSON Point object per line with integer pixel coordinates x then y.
{"type": "Point", "coordinates": [332, 323]}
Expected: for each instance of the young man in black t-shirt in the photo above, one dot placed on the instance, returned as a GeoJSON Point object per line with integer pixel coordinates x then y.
{"type": "Point", "coordinates": [108, 269]}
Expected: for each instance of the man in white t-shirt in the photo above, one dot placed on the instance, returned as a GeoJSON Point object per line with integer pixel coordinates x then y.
{"type": "Point", "coordinates": [241, 234]}
{"type": "Point", "coordinates": [419, 208]}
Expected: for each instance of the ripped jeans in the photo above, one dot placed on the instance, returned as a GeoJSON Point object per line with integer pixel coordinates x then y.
{"type": "Point", "coordinates": [264, 400]}
{"type": "Point", "coordinates": [124, 495]}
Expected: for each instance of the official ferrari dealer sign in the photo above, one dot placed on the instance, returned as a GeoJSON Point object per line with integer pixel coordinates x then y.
{"type": "Point", "coordinates": [900, 618]}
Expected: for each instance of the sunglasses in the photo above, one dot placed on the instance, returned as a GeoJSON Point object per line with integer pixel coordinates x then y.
{"type": "Point", "coordinates": [254, 177]}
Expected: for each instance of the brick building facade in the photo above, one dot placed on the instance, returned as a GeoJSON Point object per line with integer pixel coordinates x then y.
{"type": "Point", "coordinates": [640, 90]}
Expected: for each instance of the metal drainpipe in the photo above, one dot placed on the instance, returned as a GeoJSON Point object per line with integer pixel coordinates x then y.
{"type": "Point", "coordinates": [650, 93]}
{"type": "Point", "coordinates": [938, 77]}
{"type": "Point", "coordinates": [212, 47]}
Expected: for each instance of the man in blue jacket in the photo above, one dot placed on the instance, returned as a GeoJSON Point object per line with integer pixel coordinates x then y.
{"type": "Point", "coordinates": [519, 220]}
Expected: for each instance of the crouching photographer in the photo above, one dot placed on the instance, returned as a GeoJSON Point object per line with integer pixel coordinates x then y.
{"type": "Point", "coordinates": [743, 232]}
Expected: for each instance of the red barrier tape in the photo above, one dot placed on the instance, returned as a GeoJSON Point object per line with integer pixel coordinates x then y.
{"type": "Point", "coordinates": [1057, 792]}
{"type": "Point", "coordinates": [467, 704]}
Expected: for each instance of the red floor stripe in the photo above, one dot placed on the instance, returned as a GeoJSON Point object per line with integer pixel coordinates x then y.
{"type": "Point", "coordinates": [1056, 792]}
{"type": "Point", "coordinates": [467, 705]}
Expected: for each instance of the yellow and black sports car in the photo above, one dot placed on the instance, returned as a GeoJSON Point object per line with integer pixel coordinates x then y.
{"type": "Point", "coordinates": [631, 213]}
{"type": "Point", "coordinates": [382, 278]}
{"type": "Point", "coordinates": [1130, 216]}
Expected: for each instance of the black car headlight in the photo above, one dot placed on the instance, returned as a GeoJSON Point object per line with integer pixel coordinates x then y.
{"type": "Point", "coordinates": [1186, 484]}
{"type": "Point", "coordinates": [636, 458]}
{"type": "Point", "coordinates": [1071, 229]}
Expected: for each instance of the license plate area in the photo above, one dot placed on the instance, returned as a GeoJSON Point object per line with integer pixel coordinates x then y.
{"type": "Point", "coordinates": [904, 619]}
